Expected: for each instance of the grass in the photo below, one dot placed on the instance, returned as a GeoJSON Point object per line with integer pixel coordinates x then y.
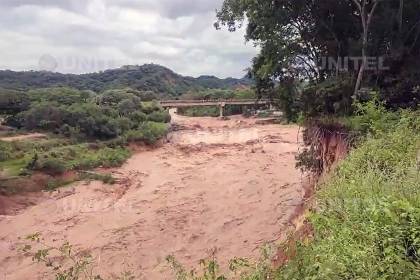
{"type": "Point", "coordinates": [64, 261]}
{"type": "Point", "coordinates": [54, 184]}
{"type": "Point", "coordinates": [57, 160]}
{"type": "Point", "coordinates": [210, 111]}
{"type": "Point", "coordinates": [149, 133]}
{"type": "Point", "coordinates": [79, 157]}
{"type": "Point", "coordinates": [367, 225]}
{"type": "Point", "coordinates": [13, 167]}
{"type": "Point", "coordinates": [105, 178]}
{"type": "Point", "coordinates": [58, 155]}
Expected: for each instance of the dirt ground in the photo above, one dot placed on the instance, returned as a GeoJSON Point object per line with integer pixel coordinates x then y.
{"type": "Point", "coordinates": [23, 137]}
{"type": "Point", "coordinates": [217, 186]}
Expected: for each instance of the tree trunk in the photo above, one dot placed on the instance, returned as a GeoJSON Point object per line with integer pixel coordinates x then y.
{"type": "Point", "coordinates": [400, 15]}
{"type": "Point", "coordinates": [362, 67]}
{"type": "Point", "coordinates": [366, 18]}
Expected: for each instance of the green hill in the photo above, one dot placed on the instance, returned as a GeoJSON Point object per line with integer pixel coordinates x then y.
{"type": "Point", "coordinates": [148, 77]}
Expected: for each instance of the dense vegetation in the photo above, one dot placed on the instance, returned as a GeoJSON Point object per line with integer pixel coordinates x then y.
{"type": "Point", "coordinates": [296, 37]}
{"type": "Point", "coordinates": [211, 93]}
{"type": "Point", "coordinates": [213, 111]}
{"type": "Point", "coordinates": [84, 129]}
{"type": "Point", "coordinates": [367, 223]}
{"type": "Point", "coordinates": [75, 113]}
{"type": "Point", "coordinates": [150, 78]}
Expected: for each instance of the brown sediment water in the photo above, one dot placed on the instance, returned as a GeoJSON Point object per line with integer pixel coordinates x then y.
{"type": "Point", "coordinates": [218, 186]}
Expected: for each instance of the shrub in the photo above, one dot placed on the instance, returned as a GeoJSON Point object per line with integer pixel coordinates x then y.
{"type": "Point", "coordinates": [108, 157]}
{"type": "Point", "coordinates": [367, 223]}
{"type": "Point", "coordinates": [372, 117]}
{"type": "Point", "coordinates": [52, 166]}
{"type": "Point", "coordinates": [331, 97]}
{"type": "Point", "coordinates": [210, 111]}
{"type": "Point", "coordinates": [86, 163]}
{"type": "Point", "coordinates": [45, 115]}
{"type": "Point", "coordinates": [149, 133]}
{"type": "Point", "coordinates": [105, 178]}
{"type": "Point", "coordinates": [79, 157]}
{"type": "Point", "coordinates": [150, 107]}
{"type": "Point", "coordinates": [5, 151]}
{"type": "Point", "coordinates": [64, 261]}
{"type": "Point", "coordinates": [77, 114]}
{"type": "Point", "coordinates": [159, 116]}
{"type": "Point", "coordinates": [54, 184]}
{"type": "Point", "coordinates": [116, 142]}
{"type": "Point", "coordinates": [138, 118]}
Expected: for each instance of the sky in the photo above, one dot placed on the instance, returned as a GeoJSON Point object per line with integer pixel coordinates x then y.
{"type": "Point", "coordinates": [82, 36]}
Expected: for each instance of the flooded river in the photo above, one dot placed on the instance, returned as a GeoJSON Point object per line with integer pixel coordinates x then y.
{"type": "Point", "coordinates": [218, 186]}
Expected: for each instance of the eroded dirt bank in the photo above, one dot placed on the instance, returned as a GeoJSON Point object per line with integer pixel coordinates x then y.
{"type": "Point", "coordinates": [225, 185]}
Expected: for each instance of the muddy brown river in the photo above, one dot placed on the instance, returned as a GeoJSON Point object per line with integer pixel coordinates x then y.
{"type": "Point", "coordinates": [223, 187]}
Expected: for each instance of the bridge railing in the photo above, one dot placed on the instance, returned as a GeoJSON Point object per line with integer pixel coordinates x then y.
{"type": "Point", "coordinates": [214, 101]}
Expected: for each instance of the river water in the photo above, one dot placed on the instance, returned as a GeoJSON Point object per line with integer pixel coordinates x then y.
{"type": "Point", "coordinates": [217, 187]}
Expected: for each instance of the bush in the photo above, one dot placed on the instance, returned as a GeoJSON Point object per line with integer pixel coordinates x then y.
{"type": "Point", "coordinates": [150, 107]}
{"type": "Point", "coordinates": [105, 178]}
{"type": "Point", "coordinates": [108, 157]}
{"type": "Point", "coordinates": [86, 163]}
{"type": "Point", "coordinates": [63, 261]}
{"type": "Point", "coordinates": [53, 166]}
{"type": "Point", "coordinates": [210, 111]}
{"type": "Point", "coordinates": [138, 118]}
{"type": "Point", "coordinates": [367, 223]}
{"type": "Point", "coordinates": [149, 133]}
{"type": "Point", "coordinates": [372, 117]}
{"type": "Point", "coordinates": [79, 157]}
{"type": "Point", "coordinates": [115, 143]}
{"type": "Point", "coordinates": [159, 116]}
{"type": "Point", "coordinates": [5, 151]}
{"type": "Point", "coordinates": [82, 116]}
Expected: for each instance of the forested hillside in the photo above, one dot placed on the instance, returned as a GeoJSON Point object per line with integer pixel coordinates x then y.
{"type": "Point", "coordinates": [149, 77]}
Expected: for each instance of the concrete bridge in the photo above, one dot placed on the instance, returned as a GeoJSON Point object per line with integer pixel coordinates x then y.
{"type": "Point", "coordinates": [221, 103]}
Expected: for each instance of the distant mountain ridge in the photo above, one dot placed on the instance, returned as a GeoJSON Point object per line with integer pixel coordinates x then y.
{"type": "Point", "coordinates": [148, 77]}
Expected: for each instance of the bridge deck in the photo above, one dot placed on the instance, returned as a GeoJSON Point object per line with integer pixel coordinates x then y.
{"type": "Point", "coordinates": [216, 102]}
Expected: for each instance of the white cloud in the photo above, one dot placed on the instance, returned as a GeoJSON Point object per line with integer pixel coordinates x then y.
{"type": "Point", "coordinates": [91, 35]}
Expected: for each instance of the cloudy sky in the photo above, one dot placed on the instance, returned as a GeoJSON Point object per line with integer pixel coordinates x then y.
{"type": "Point", "coordinates": [79, 36]}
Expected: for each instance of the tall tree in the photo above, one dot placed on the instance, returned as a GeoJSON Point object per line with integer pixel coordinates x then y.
{"type": "Point", "coordinates": [293, 35]}
{"type": "Point", "coordinates": [366, 10]}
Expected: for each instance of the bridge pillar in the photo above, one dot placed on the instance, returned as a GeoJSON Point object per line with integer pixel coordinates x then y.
{"type": "Point", "coordinates": [221, 109]}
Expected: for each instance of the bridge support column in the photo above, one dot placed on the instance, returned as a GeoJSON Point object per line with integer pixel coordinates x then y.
{"type": "Point", "coordinates": [221, 109]}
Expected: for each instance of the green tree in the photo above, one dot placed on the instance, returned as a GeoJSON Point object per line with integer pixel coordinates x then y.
{"type": "Point", "coordinates": [294, 36]}
{"type": "Point", "coordinates": [13, 101]}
